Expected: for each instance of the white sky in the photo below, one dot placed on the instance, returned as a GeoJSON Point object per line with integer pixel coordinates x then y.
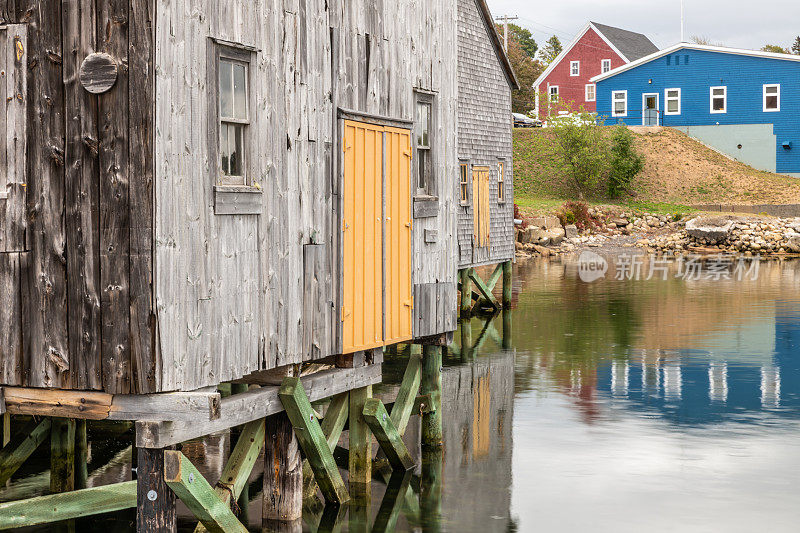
{"type": "Point", "coordinates": [735, 23]}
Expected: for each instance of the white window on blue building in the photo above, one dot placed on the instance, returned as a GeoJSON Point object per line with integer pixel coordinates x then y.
{"type": "Point", "coordinates": [719, 100]}
{"type": "Point", "coordinates": [772, 98]}
{"type": "Point", "coordinates": [605, 65]}
{"type": "Point", "coordinates": [673, 99]}
{"type": "Point", "coordinates": [590, 93]}
{"type": "Point", "coordinates": [619, 103]}
{"type": "Point", "coordinates": [575, 68]}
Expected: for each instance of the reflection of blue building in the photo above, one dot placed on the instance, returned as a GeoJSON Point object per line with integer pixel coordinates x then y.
{"type": "Point", "coordinates": [738, 375]}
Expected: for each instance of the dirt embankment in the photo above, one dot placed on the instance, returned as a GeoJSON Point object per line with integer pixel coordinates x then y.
{"type": "Point", "coordinates": [678, 170]}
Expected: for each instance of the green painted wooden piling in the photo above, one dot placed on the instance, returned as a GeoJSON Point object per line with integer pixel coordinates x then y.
{"type": "Point", "coordinates": [68, 505]}
{"type": "Point", "coordinates": [507, 283]}
{"type": "Point", "coordinates": [431, 384]}
{"type": "Point", "coordinates": [332, 426]}
{"type": "Point", "coordinates": [390, 440]}
{"type": "Point", "coordinates": [403, 406]}
{"type": "Point", "coordinates": [244, 498]}
{"type": "Point", "coordinates": [62, 455]}
{"type": "Point", "coordinates": [312, 440]}
{"type": "Point", "coordinates": [466, 292]}
{"type": "Point", "coordinates": [81, 454]}
{"type": "Point", "coordinates": [195, 492]}
{"type": "Point", "coordinates": [466, 340]}
{"type": "Point", "coordinates": [236, 473]}
{"type": "Point", "coordinates": [16, 452]}
{"type": "Point", "coordinates": [360, 461]}
{"type": "Point", "coordinates": [392, 503]}
{"type": "Point", "coordinates": [332, 519]}
{"type": "Point", "coordinates": [360, 506]}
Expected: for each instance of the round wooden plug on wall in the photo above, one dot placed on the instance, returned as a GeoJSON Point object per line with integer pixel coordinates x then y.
{"type": "Point", "coordinates": [98, 73]}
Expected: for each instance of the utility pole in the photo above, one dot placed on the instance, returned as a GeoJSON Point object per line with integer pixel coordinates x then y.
{"type": "Point", "coordinates": [683, 21]}
{"type": "Point", "coordinates": [506, 19]}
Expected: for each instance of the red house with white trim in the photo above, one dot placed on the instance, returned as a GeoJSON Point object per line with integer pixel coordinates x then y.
{"type": "Point", "coordinates": [595, 50]}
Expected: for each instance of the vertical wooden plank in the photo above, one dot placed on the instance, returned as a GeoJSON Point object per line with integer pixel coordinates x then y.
{"type": "Point", "coordinates": [360, 460]}
{"type": "Point", "coordinates": [81, 198]}
{"type": "Point", "coordinates": [146, 377]}
{"type": "Point", "coordinates": [112, 38]}
{"type": "Point", "coordinates": [507, 283]}
{"type": "Point", "coordinates": [47, 357]}
{"type": "Point", "coordinates": [283, 473]}
{"type": "Point", "coordinates": [156, 511]}
{"type": "Point", "coordinates": [11, 347]}
{"type": "Point", "coordinates": [62, 455]}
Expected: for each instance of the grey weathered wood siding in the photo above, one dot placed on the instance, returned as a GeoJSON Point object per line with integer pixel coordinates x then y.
{"type": "Point", "coordinates": [77, 284]}
{"type": "Point", "coordinates": [484, 135]}
{"type": "Point", "coordinates": [231, 289]}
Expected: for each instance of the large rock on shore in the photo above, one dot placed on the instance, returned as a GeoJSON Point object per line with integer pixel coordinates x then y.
{"type": "Point", "coordinates": [712, 229]}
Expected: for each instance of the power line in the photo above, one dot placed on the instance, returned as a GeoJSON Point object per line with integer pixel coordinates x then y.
{"type": "Point", "coordinates": [506, 19]}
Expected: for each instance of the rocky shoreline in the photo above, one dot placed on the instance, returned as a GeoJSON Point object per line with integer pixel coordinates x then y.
{"type": "Point", "coordinates": [676, 234]}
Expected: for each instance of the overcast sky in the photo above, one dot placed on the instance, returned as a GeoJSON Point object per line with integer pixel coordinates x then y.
{"type": "Point", "coordinates": [735, 23]}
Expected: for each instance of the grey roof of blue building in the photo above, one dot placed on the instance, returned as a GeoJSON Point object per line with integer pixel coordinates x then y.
{"type": "Point", "coordinates": [632, 45]}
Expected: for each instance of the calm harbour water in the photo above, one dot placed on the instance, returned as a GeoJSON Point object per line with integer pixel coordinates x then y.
{"type": "Point", "coordinates": [652, 405]}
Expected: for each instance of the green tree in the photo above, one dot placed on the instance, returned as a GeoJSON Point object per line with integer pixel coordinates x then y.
{"type": "Point", "coordinates": [775, 49]}
{"type": "Point", "coordinates": [527, 69]}
{"type": "Point", "coordinates": [796, 46]}
{"type": "Point", "coordinates": [550, 51]}
{"type": "Point", "coordinates": [525, 39]}
{"type": "Point", "coordinates": [626, 162]}
{"type": "Point", "coordinates": [583, 151]}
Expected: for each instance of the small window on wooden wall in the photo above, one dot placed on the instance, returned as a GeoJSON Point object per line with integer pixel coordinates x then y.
{"type": "Point", "coordinates": [231, 86]}
{"type": "Point", "coordinates": [424, 139]}
{"type": "Point", "coordinates": [463, 181]}
{"type": "Point", "coordinates": [501, 181]}
{"type": "Point", "coordinates": [234, 119]}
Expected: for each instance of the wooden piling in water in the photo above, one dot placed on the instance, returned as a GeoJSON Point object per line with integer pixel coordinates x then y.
{"type": "Point", "coordinates": [507, 283]}
{"type": "Point", "coordinates": [466, 292]}
{"type": "Point", "coordinates": [283, 476]}
{"type": "Point", "coordinates": [81, 454]}
{"type": "Point", "coordinates": [155, 501]}
{"type": "Point", "coordinates": [360, 438]}
{"type": "Point", "coordinates": [62, 455]}
{"type": "Point", "coordinates": [430, 497]}
{"type": "Point", "coordinates": [431, 385]}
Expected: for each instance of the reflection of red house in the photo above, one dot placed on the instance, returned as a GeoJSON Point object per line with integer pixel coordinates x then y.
{"type": "Point", "coordinates": [596, 49]}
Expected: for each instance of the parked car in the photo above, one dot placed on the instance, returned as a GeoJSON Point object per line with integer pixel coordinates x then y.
{"type": "Point", "coordinates": [523, 121]}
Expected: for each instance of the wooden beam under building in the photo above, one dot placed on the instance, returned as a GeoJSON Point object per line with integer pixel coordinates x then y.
{"type": "Point", "coordinates": [253, 405]}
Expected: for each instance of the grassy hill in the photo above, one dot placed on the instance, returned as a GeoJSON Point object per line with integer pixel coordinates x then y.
{"type": "Point", "coordinates": [679, 171]}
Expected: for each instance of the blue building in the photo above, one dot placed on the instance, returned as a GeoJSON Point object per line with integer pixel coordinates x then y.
{"type": "Point", "coordinates": [744, 103]}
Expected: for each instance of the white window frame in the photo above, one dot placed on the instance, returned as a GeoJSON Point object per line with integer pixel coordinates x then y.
{"type": "Point", "coordinates": [573, 66]}
{"type": "Point", "coordinates": [668, 98]}
{"type": "Point", "coordinates": [550, 93]}
{"type": "Point", "coordinates": [501, 181]}
{"type": "Point", "coordinates": [644, 106]}
{"type": "Point", "coordinates": [614, 101]}
{"type": "Point", "coordinates": [711, 100]}
{"type": "Point", "coordinates": [764, 93]}
{"type": "Point", "coordinates": [603, 64]}
{"type": "Point", "coordinates": [594, 92]}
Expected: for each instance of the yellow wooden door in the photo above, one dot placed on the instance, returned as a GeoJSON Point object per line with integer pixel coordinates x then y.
{"type": "Point", "coordinates": [362, 229]}
{"type": "Point", "coordinates": [398, 297]}
{"type": "Point", "coordinates": [480, 207]}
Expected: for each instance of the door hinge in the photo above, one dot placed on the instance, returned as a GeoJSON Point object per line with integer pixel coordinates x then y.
{"type": "Point", "coordinates": [409, 303]}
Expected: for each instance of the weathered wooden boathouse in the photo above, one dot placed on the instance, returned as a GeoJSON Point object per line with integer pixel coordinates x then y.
{"type": "Point", "coordinates": [196, 193]}
{"type": "Point", "coordinates": [486, 170]}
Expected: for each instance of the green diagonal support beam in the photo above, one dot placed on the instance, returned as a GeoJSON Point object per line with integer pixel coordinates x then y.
{"type": "Point", "coordinates": [332, 426]}
{"type": "Point", "coordinates": [484, 289]}
{"type": "Point", "coordinates": [312, 440]}
{"type": "Point", "coordinates": [68, 505]}
{"type": "Point", "coordinates": [16, 452]}
{"type": "Point", "coordinates": [386, 433]}
{"type": "Point", "coordinates": [403, 406]}
{"type": "Point", "coordinates": [240, 464]}
{"type": "Point", "coordinates": [195, 492]}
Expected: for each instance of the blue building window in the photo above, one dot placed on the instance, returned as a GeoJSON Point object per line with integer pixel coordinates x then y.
{"type": "Point", "coordinates": [719, 100]}
{"type": "Point", "coordinates": [772, 98]}
{"type": "Point", "coordinates": [619, 104]}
